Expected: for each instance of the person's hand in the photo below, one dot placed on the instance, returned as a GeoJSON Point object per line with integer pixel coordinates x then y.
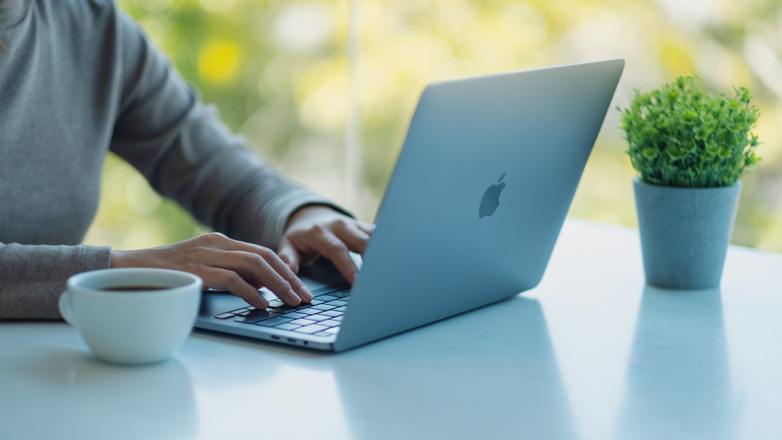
{"type": "Point", "coordinates": [224, 264]}
{"type": "Point", "coordinates": [319, 230]}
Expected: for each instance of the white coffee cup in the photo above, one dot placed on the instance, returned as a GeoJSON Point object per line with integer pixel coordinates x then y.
{"type": "Point", "coordinates": [132, 326]}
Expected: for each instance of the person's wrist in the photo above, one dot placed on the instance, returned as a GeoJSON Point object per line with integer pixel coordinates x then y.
{"type": "Point", "coordinates": [307, 212]}
{"type": "Point", "coordinates": [117, 259]}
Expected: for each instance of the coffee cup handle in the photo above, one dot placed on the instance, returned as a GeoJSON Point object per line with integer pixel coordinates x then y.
{"type": "Point", "coordinates": [65, 308]}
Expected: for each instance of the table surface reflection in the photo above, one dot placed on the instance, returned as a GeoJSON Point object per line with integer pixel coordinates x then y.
{"type": "Point", "coordinates": [592, 353]}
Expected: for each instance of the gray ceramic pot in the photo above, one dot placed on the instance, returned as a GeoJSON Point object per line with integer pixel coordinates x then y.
{"type": "Point", "coordinates": [685, 233]}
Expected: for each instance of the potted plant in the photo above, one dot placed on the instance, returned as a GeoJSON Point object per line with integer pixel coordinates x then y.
{"type": "Point", "coordinates": [689, 149]}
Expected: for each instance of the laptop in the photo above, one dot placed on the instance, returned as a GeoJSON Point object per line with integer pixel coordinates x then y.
{"type": "Point", "coordinates": [472, 211]}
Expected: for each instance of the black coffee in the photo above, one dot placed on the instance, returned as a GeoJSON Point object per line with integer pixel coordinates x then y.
{"type": "Point", "coordinates": [133, 288]}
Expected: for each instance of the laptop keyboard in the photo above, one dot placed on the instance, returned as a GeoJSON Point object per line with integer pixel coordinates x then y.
{"type": "Point", "coordinates": [321, 317]}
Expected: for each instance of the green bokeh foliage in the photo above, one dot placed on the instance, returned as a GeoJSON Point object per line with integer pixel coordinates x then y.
{"type": "Point", "coordinates": [679, 136]}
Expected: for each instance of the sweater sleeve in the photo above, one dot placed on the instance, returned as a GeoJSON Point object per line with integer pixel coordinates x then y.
{"type": "Point", "coordinates": [34, 276]}
{"type": "Point", "coordinates": [187, 154]}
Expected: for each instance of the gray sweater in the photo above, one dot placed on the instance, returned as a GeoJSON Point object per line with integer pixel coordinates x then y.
{"type": "Point", "coordinates": [79, 78]}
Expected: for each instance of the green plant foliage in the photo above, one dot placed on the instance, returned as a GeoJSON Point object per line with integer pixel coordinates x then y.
{"type": "Point", "coordinates": [679, 136]}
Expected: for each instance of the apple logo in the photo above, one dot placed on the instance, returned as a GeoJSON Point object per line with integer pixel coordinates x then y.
{"type": "Point", "coordinates": [491, 199]}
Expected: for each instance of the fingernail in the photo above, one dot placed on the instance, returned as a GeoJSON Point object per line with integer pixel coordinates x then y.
{"type": "Point", "coordinates": [305, 293]}
{"type": "Point", "coordinates": [293, 297]}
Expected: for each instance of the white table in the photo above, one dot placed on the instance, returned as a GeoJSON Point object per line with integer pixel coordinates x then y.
{"type": "Point", "coordinates": [592, 353]}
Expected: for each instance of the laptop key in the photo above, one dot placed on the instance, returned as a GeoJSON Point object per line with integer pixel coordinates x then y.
{"type": "Point", "coordinates": [302, 322]}
{"type": "Point", "coordinates": [276, 303]}
{"type": "Point", "coordinates": [331, 323]}
{"type": "Point", "coordinates": [252, 319]}
{"type": "Point", "coordinates": [338, 303]}
{"type": "Point", "coordinates": [254, 316]}
{"type": "Point", "coordinates": [273, 321]}
{"type": "Point", "coordinates": [247, 320]}
{"type": "Point", "coordinates": [327, 306]}
{"type": "Point", "coordinates": [333, 330]}
{"type": "Point", "coordinates": [317, 317]}
{"type": "Point", "coordinates": [311, 329]}
{"type": "Point", "coordinates": [332, 313]}
{"type": "Point", "coordinates": [225, 316]}
{"type": "Point", "coordinates": [310, 311]}
{"type": "Point", "coordinates": [340, 309]}
{"type": "Point", "coordinates": [326, 298]}
{"type": "Point", "coordinates": [295, 315]}
{"type": "Point", "coordinates": [287, 326]}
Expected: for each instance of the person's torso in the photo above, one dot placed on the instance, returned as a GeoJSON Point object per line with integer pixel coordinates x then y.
{"type": "Point", "coordinates": [58, 102]}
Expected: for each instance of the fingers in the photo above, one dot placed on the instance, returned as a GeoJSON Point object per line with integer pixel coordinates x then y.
{"type": "Point", "coordinates": [327, 233]}
{"type": "Point", "coordinates": [365, 228]}
{"type": "Point", "coordinates": [301, 291]}
{"type": "Point", "coordinates": [289, 255]}
{"type": "Point", "coordinates": [227, 280]}
{"type": "Point", "coordinates": [256, 270]}
{"type": "Point", "coordinates": [355, 239]}
{"type": "Point", "coordinates": [331, 247]}
{"type": "Point", "coordinates": [257, 263]}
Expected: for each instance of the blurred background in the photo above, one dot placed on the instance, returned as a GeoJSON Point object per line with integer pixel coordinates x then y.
{"type": "Point", "coordinates": [324, 89]}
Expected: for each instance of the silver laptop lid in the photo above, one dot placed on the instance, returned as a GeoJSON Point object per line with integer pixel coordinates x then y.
{"type": "Point", "coordinates": [443, 245]}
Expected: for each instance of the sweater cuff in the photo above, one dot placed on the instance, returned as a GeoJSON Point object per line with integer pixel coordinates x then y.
{"type": "Point", "coordinates": [34, 277]}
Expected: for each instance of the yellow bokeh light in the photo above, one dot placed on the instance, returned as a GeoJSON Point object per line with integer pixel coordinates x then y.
{"type": "Point", "coordinates": [219, 61]}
